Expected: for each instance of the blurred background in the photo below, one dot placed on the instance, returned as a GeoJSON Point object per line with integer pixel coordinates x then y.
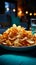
{"type": "Point", "coordinates": [19, 12]}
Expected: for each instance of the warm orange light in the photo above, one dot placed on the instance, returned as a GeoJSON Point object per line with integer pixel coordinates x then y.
{"type": "Point", "coordinates": [26, 12]}
{"type": "Point", "coordinates": [34, 14]}
{"type": "Point", "coordinates": [20, 13]}
{"type": "Point", "coordinates": [19, 9]}
{"type": "Point", "coordinates": [30, 14]}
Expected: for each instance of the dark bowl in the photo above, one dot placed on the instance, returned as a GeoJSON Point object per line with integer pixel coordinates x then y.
{"type": "Point", "coordinates": [24, 48]}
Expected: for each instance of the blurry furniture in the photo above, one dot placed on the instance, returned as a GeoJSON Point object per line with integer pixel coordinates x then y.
{"type": "Point", "coordinates": [15, 20]}
{"type": "Point", "coordinates": [9, 59]}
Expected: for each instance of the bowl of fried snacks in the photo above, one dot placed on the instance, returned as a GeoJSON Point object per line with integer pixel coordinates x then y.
{"type": "Point", "coordinates": [17, 38]}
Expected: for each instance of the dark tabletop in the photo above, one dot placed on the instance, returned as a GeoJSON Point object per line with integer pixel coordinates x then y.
{"type": "Point", "coordinates": [31, 52]}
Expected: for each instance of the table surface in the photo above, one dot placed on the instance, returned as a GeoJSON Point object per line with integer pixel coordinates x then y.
{"type": "Point", "coordinates": [8, 57]}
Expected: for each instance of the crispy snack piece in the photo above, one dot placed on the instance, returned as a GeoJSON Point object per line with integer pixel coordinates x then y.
{"type": "Point", "coordinates": [17, 36]}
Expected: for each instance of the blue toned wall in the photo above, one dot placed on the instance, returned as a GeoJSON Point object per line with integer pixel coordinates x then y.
{"type": "Point", "coordinates": [3, 21]}
{"type": "Point", "coordinates": [3, 18]}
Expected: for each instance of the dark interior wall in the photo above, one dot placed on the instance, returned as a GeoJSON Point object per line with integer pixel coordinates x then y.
{"type": "Point", "coordinates": [2, 7]}
{"type": "Point", "coordinates": [29, 5]}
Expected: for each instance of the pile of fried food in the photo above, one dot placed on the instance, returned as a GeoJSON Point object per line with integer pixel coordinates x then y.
{"type": "Point", "coordinates": [17, 36]}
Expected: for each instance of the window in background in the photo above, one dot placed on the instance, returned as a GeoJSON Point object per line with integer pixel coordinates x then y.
{"type": "Point", "coordinates": [10, 8]}
{"type": "Point", "coordinates": [7, 7]}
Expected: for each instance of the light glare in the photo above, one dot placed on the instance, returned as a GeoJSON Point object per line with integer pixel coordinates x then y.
{"type": "Point", "coordinates": [14, 10]}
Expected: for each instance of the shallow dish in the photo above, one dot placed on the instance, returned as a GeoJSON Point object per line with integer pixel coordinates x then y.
{"type": "Point", "coordinates": [24, 48]}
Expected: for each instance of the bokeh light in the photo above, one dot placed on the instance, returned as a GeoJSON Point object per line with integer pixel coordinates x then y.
{"type": "Point", "coordinates": [14, 10]}
{"type": "Point", "coordinates": [30, 14]}
{"type": "Point", "coordinates": [26, 12]}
